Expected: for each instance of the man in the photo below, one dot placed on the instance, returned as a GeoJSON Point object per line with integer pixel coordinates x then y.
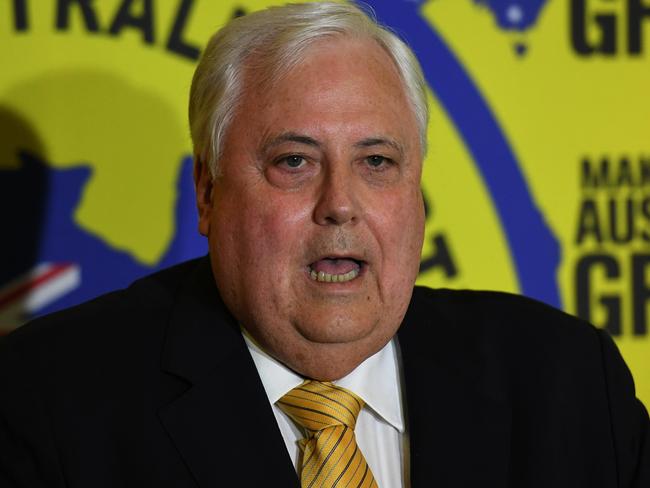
{"type": "Point", "coordinates": [308, 124]}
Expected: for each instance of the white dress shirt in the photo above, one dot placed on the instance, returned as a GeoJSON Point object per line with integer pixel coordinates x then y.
{"type": "Point", "coordinates": [380, 429]}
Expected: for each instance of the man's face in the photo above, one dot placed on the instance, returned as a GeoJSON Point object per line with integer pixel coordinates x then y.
{"type": "Point", "coordinates": [316, 221]}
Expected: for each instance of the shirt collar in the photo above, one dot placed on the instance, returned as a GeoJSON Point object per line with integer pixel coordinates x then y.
{"type": "Point", "coordinates": [376, 380]}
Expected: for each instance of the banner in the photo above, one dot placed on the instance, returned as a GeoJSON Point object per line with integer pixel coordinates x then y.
{"type": "Point", "coordinates": [536, 181]}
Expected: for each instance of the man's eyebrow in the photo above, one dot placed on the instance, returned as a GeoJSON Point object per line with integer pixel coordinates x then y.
{"type": "Point", "coordinates": [380, 141]}
{"type": "Point", "coordinates": [290, 137]}
{"type": "Point", "coordinates": [310, 141]}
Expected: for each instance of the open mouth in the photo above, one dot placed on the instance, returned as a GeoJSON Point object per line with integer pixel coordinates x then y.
{"type": "Point", "coordinates": [335, 269]}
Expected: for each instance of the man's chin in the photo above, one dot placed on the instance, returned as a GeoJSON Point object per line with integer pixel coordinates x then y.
{"type": "Point", "coordinates": [336, 331]}
{"type": "Point", "coordinates": [327, 365]}
{"type": "Point", "coordinates": [330, 357]}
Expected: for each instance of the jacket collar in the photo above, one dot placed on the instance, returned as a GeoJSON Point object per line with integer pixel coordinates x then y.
{"type": "Point", "coordinates": [459, 432]}
{"type": "Point", "coordinates": [221, 417]}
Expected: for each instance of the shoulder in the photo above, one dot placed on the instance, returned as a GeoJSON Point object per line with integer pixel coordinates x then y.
{"type": "Point", "coordinates": [512, 337]}
{"type": "Point", "coordinates": [129, 321]}
{"type": "Point", "coordinates": [503, 315]}
{"type": "Point", "coordinates": [548, 367]}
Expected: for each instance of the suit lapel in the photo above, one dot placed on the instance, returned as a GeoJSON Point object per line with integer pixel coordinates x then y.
{"type": "Point", "coordinates": [458, 434]}
{"type": "Point", "coordinates": [226, 433]}
{"type": "Point", "coordinates": [222, 425]}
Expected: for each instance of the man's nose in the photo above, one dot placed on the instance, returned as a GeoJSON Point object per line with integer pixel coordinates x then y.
{"type": "Point", "coordinates": [337, 202]}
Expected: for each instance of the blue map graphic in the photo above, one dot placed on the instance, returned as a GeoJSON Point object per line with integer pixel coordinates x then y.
{"type": "Point", "coordinates": [517, 15]}
{"type": "Point", "coordinates": [534, 248]}
{"type": "Point", "coordinates": [46, 220]}
{"type": "Point", "coordinates": [510, 15]}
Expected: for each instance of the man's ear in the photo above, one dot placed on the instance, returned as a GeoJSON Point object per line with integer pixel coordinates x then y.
{"type": "Point", "coordinates": [203, 187]}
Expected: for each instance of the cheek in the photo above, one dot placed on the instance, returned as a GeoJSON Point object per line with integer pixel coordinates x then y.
{"type": "Point", "coordinates": [283, 218]}
{"type": "Point", "coordinates": [401, 231]}
{"type": "Point", "coordinates": [268, 232]}
{"type": "Point", "coordinates": [405, 216]}
{"type": "Point", "coordinates": [416, 219]}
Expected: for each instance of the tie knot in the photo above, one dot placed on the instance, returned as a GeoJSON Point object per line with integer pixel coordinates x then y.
{"type": "Point", "coordinates": [317, 405]}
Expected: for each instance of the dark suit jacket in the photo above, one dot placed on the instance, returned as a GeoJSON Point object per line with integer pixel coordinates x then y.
{"type": "Point", "coordinates": [153, 387]}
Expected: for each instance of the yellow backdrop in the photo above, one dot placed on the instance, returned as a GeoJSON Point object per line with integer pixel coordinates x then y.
{"type": "Point", "coordinates": [538, 94]}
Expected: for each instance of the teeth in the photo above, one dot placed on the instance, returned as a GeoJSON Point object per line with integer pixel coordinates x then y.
{"type": "Point", "coordinates": [323, 277]}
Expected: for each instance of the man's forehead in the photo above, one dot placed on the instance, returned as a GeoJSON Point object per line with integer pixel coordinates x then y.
{"type": "Point", "coordinates": [353, 56]}
{"type": "Point", "coordinates": [343, 89]}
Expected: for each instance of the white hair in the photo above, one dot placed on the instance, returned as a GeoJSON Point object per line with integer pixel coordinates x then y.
{"type": "Point", "coordinates": [277, 38]}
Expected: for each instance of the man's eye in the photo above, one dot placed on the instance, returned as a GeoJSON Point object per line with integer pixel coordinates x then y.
{"type": "Point", "coordinates": [293, 161]}
{"type": "Point", "coordinates": [376, 161]}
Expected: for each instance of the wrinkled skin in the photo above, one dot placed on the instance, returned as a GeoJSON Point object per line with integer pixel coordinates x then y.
{"type": "Point", "coordinates": [324, 163]}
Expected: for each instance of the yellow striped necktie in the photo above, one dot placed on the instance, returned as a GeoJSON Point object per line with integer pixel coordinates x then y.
{"type": "Point", "coordinates": [330, 455]}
